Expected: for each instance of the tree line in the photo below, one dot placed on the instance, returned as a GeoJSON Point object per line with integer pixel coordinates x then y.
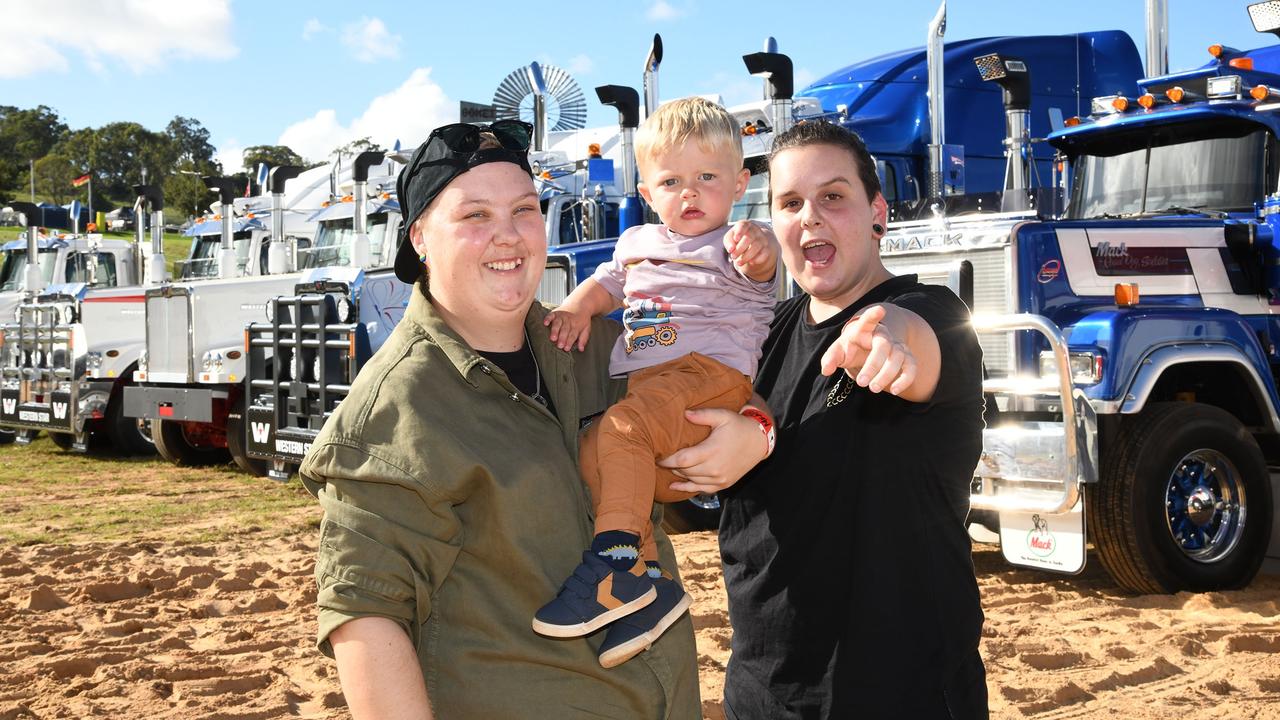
{"type": "Point", "coordinates": [116, 155]}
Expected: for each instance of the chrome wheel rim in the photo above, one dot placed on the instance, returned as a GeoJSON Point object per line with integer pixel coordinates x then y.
{"type": "Point", "coordinates": [1205, 506]}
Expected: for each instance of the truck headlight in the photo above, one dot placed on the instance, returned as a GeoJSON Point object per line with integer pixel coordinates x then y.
{"type": "Point", "coordinates": [1086, 367]}
{"type": "Point", "coordinates": [68, 314]}
{"type": "Point", "coordinates": [93, 361]}
{"type": "Point", "coordinates": [344, 308]}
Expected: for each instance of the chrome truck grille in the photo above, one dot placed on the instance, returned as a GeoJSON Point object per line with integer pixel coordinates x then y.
{"type": "Point", "coordinates": [991, 275]}
{"type": "Point", "coordinates": [301, 365]}
{"type": "Point", "coordinates": [38, 349]}
{"type": "Point", "coordinates": [169, 334]}
{"type": "Point", "coordinates": [557, 281]}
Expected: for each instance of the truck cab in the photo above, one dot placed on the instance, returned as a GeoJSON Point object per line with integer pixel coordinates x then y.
{"type": "Point", "coordinates": [1131, 340]}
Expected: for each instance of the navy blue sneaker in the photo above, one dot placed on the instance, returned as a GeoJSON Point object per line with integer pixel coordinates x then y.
{"type": "Point", "coordinates": [594, 595]}
{"type": "Point", "coordinates": [631, 635]}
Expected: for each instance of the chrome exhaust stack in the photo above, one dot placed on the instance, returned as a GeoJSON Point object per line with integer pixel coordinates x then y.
{"type": "Point", "coordinates": [627, 102]}
{"type": "Point", "coordinates": [226, 196]}
{"type": "Point", "coordinates": [937, 114]}
{"type": "Point", "coordinates": [360, 220]}
{"type": "Point", "coordinates": [31, 215]}
{"type": "Point", "coordinates": [151, 198]}
{"type": "Point", "coordinates": [779, 76]}
{"type": "Point", "coordinates": [1014, 79]}
{"type": "Point", "coordinates": [278, 251]}
{"type": "Point", "coordinates": [651, 64]}
{"type": "Point", "coordinates": [1157, 38]}
{"type": "Point", "coordinates": [539, 86]}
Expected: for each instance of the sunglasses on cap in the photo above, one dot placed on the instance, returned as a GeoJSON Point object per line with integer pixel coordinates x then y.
{"type": "Point", "coordinates": [464, 138]}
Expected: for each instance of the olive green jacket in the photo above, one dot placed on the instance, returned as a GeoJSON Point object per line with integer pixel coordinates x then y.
{"type": "Point", "coordinates": [453, 506]}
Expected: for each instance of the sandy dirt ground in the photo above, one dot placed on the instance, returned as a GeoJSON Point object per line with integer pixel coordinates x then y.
{"type": "Point", "coordinates": [166, 629]}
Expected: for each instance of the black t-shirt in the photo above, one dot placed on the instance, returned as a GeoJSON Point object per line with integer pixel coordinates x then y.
{"type": "Point", "coordinates": [850, 581]}
{"type": "Point", "coordinates": [523, 372]}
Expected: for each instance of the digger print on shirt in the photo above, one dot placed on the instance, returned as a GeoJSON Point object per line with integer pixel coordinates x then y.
{"type": "Point", "coordinates": [648, 323]}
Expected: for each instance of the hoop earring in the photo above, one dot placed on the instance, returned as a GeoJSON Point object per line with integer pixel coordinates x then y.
{"type": "Point", "coordinates": [877, 228]}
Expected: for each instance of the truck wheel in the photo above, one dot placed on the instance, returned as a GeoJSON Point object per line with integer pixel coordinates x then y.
{"type": "Point", "coordinates": [172, 444]}
{"type": "Point", "coordinates": [7, 436]}
{"type": "Point", "coordinates": [236, 442]}
{"type": "Point", "coordinates": [696, 514]}
{"type": "Point", "coordinates": [128, 435]}
{"type": "Point", "coordinates": [1184, 502]}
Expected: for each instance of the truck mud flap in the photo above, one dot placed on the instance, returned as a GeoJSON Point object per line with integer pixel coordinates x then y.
{"type": "Point", "coordinates": [265, 442]}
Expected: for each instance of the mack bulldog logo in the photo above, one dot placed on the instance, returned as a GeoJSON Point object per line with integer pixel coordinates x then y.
{"type": "Point", "coordinates": [1040, 541]}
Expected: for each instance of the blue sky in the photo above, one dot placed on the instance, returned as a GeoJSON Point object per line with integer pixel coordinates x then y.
{"type": "Point", "coordinates": [317, 74]}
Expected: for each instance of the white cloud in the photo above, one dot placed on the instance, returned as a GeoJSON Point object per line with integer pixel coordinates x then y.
{"type": "Point", "coordinates": [369, 41]}
{"type": "Point", "coordinates": [580, 65]}
{"type": "Point", "coordinates": [313, 27]}
{"type": "Point", "coordinates": [231, 154]}
{"type": "Point", "coordinates": [663, 10]}
{"type": "Point", "coordinates": [141, 34]}
{"type": "Point", "coordinates": [804, 77]}
{"type": "Point", "coordinates": [407, 114]}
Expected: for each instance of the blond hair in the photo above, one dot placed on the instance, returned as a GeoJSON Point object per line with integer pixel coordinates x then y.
{"type": "Point", "coordinates": [689, 119]}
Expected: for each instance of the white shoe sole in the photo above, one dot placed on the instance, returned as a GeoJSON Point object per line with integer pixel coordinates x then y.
{"type": "Point", "coordinates": [627, 650]}
{"type": "Point", "coordinates": [599, 621]}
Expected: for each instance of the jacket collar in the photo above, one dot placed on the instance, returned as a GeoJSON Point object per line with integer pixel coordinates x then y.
{"type": "Point", "coordinates": [463, 358]}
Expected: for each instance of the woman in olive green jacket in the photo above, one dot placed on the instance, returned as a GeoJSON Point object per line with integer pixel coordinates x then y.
{"type": "Point", "coordinates": [448, 476]}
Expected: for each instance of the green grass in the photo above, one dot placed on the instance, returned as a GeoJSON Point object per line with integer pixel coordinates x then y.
{"type": "Point", "coordinates": [50, 496]}
{"type": "Point", "coordinates": [176, 246]}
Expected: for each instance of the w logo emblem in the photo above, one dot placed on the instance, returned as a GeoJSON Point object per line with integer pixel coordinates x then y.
{"type": "Point", "coordinates": [60, 410]}
{"type": "Point", "coordinates": [10, 406]}
{"type": "Point", "coordinates": [261, 432]}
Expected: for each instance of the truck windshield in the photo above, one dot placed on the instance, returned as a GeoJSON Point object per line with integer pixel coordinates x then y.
{"type": "Point", "coordinates": [333, 242]}
{"type": "Point", "coordinates": [13, 271]}
{"type": "Point", "coordinates": [1164, 171]}
{"type": "Point", "coordinates": [754, 204]}
{"type": "Point", "coordinates": [203, 261]}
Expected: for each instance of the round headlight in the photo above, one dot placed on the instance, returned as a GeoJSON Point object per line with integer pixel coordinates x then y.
{"type": "Point", "coordinates": [344, 309]}
{"type": "Point", "coordinates": [299, 372]}
{"type": "Point", "coordinates": [271, 310]}
{"type": "Point", "coordinates": [36, 358]}
{"type": "Point", "coordinates": [68, 314]}
{"type": "Point", "coordinates": [315, 369]}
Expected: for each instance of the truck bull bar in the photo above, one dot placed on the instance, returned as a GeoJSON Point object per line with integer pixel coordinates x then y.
{"type": "Point", "coordinates": [301, 364]}
{"type": "Point", "coordinates": [1036, 466]}
{"type": "Point", "coordinates": [39, 368]}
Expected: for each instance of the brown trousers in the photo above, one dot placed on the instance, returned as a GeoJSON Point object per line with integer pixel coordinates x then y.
{"type": "Point", "coordinates": [620, 451]}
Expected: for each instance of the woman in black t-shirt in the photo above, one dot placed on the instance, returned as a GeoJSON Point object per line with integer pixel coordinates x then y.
{"type": "Point", "coordinates": [851, 587]}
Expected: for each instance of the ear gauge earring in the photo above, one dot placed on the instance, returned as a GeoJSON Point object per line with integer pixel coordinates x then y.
{"type": "Point", "coordinates": [877, 228]}
{"type": "Point", "coordinates": [422, 259]}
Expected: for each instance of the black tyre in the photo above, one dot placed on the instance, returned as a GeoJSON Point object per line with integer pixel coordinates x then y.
{"type": "Point", "coordinates": [128, 435]}
{"type": "Point", "coordinates": [694, 515]}
{"type": "Point", "coordinates": [7, 436]}
{"type": "Point", "coordinates": [1184, 502]}
{"type": "Point", "coordinates": [236, 442]}
{"type": "Point", "coordinates": [62, 440]}
{"type": "Point", "coordinates": [173, 445]}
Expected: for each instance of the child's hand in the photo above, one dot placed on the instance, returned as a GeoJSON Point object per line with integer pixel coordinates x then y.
{"type": "Point", "coordinates": [568, 327]}
{"type": "Point", "coordinates": [753, 249]}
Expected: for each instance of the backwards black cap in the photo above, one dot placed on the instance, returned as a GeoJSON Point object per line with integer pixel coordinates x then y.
{"type": "Point", "coordinates": [449, 152]}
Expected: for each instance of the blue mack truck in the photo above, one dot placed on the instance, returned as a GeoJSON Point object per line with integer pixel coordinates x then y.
{"type": "Point", "coordinates": [1131, 340]}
